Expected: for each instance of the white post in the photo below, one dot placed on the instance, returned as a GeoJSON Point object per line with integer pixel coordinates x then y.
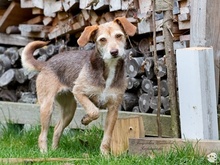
{"type": "Point", "coordinates": [197, 94]}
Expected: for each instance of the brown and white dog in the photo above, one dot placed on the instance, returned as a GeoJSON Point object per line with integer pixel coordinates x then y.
{"type": "Point", "coordinates": [96, 79]}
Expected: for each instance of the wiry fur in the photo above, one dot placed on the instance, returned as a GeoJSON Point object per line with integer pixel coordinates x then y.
{"type": "Point", "coordinates": [95, 78]}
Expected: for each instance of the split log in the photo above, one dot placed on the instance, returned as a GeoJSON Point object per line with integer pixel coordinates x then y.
{"type": "Point", "coordinates": [129, 101]}
{"type": "Point", "coordinates": [144, 103]}
{"type": "Point", "coordinates": [136, 109]}
{"type": "Point", "coordinates": [12, 54]}
{"type": "Point", "coordinates": [133, 82]}
{"type": "Point", "coordinates": [30, 74]}
{"type": "Point", "coordinates": [134, 67]}
{"type": "Point", "coordinates": [12, 75]}
{"type": "Point", "coordinates": [28, 97]}
{"type": "Point", "coordinates": [5, 63]}
{"type": "Point", "coordinates": [7, 77]}
{"type": "Point", "coordinates": [20, 76]}
{"type": "Point", "coordinates": [70, 4]}
{"type": "Point", "coordinates": [164, 88]}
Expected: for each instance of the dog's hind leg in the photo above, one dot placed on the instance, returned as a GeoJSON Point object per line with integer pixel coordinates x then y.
{"type": "Point", "coordinates": [68, 106]}
{"type": "Point", "coordinates": [46, 109]}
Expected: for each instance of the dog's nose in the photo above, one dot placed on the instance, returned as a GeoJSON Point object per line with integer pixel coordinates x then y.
{"type": "Point", "coordinates": [114, 52]}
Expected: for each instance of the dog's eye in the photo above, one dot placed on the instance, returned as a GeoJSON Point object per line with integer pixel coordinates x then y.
{"type": "Point", "coordinates": [118, 36]}
{"type": "Point", "coordinates": [102, 39]}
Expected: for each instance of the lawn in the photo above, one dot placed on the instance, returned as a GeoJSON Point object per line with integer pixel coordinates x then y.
{"type": "Point", "coordinates": [17, 143]}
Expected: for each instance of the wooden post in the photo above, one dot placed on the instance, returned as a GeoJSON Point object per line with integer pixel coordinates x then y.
{"type": "Point", "coordinates": [124, 129]}
{"type": "Point", "coordinates": [171, 68]}
{"type": "Point", "coordinates": [197, 95]}
{"type": "Point", "coordinates": [205, 31]}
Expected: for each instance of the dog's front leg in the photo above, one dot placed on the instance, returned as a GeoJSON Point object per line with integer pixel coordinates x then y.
{"type": "Point", "coordinates": [111, 118]}
{"type": "Point", "coordinates": [92, 112]}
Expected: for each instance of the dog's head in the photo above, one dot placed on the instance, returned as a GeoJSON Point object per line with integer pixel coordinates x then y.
{"type": "Point", "coordinates": [110, 37]}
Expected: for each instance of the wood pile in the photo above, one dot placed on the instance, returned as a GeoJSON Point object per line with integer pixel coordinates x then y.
{"type": "Point", "coordinates": [27, 20]}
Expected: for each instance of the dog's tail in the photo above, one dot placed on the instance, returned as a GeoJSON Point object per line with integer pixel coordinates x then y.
{"type": "Point", "coordinates": [27, 59]}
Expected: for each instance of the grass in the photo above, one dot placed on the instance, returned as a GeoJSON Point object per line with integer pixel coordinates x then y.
{"type": "Point", "coordinates": [22, 143]}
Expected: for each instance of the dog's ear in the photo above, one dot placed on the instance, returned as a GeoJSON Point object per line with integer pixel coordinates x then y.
{"type": "Point", "coordinates": [128, 27]}
{"type": "Point", "coordinates": [86, 35]}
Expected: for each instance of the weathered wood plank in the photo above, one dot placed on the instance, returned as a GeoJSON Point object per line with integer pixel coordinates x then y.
{"type": "Point", "coordinates": [14, 15]}
{"type": "Point", "coordinates": [29, 114]}
{"type": "Point", "coordinates": [149, 146]}
{"type": "Point", "coordinates": [205, 31]}
{"type": "Point", "coordinates": [198, 63]}
{"type": "Point", "coordinates": [13, 39]}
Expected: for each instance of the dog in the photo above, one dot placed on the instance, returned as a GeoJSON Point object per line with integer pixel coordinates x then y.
{"type": "Point", "coordinates": [96, 79]}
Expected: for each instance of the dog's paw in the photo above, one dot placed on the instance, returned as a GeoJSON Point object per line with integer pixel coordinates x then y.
{"type": "Point", "coordinates": [86, 120]}
{"type": "Point", "coordinates": [105, 150]}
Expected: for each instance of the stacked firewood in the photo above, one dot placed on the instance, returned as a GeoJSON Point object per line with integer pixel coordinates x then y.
{"type": "Point", "coordinates": [65, 19]}
{"type": "Point", "coordinates": [16, 83]}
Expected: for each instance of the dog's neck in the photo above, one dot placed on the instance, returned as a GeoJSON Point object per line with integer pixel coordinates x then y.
{"type": "Point", "coordinates": [111, 70]}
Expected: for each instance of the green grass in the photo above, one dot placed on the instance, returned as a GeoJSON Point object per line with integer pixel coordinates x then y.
{"type": "Point", "coordinates": [17, 143]}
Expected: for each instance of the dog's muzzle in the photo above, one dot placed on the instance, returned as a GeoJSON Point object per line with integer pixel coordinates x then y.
{"type": "Point", "coordinates": [114, 53]}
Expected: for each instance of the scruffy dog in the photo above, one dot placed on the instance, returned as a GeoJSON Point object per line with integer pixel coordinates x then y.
{"type": "Point", "coordinates": [96, 79]}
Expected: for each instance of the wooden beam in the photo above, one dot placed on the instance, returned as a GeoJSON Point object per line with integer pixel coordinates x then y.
{"type": "Point", "coordinates": [196, 78]}
{"type": "Point", "coordinates": [150, 146]}
{"type": "Point", "coordinates": [14, 39]}
{"type": "Point", "coordinates": [23, 113]}
{"type": "Point", "coordinates": [14, 15]}
{"type": "Point", "coordinates": [205, 31]}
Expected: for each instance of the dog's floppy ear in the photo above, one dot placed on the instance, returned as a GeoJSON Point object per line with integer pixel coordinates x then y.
{"type": "Point", "coordinates": [128, 27]}
{"type": "Point", "coordinates": [86, 35]}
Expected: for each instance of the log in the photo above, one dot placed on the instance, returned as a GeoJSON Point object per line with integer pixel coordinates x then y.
{"type": "Point", "coordinates": [164, 88]}
{"type": "Point", "coordinates": [8, 95]}
{"type": "Point", "coordinates": [144, 103]}
{"type": "Point", "coordinates": [144, 47]}
{"type": "Point", "coordinates": [162, 69]}
{"type": "Point", "coordinates": [52, 49]}
{"type": "Point", "coordinates": [7, 77]}
{"type": "Point", "coordinates": [12, 54]}
{"type": "Point", "coordinates": [12, 30]}
{"type": "Point", "coordinates": [149, 70]}
{"type": "Point", "coordinates": [134, 67]}
{"type": "Point", "coordinates": [129, 101]}
{"type": "Point", "coordinates": [44, 57]}
{"type": "Point", "coordinates": [147, 86]}
{"type": "Point", "coordinates": [5, 63]}
{"type": "Point", "coordinates": [20, 76]}
{"type": "Point", "coordinates": [32, 85]}
{"type": "Point", "coordinates": [133, 82]}
{"type": "Point", "coordinates": [114, 5]}
{"type": "Point", "coordinates": [154, 102]}
{"type": "Point", "coordinates": [165, 103]}
{"type": "Point", "coordinates": [28, 97]}
{"type": "Point", "coordinates": [136, 109]}
{"type": "Point", "coordinates": [2, 49]}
